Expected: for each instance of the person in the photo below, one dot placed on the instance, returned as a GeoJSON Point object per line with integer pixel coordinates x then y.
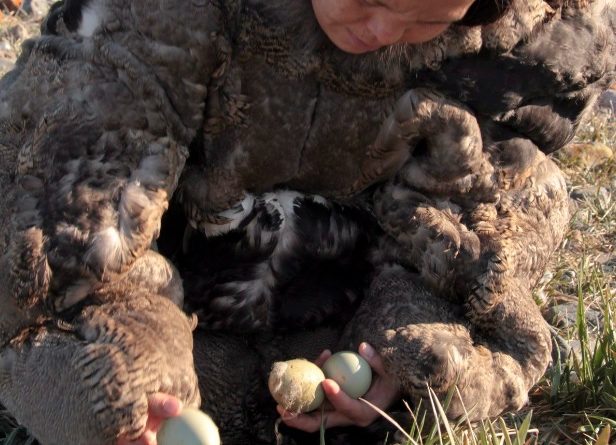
{"type": "Point", "coordinates": [433, 119]}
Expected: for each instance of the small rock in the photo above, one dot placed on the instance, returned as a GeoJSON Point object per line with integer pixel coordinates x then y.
{"type": "Point", "coordinates": [5, 46]}
{"type": "Point", "coordinates": [607, 101]}
{"type": "Point", "coordinates": [563, 318]}
{"type": "Point", "coordinates": [566, 347]}
{"type": "Point", "coordinates": [37, 8]}
{"type": "Point", "coordinates": [583, 193]}
{"type": "Point", "coordinates": [6, 64]}
{"type": "Point", "coordinates": [17, 32]}
{"type": "Point", "coordinates": [590, 154]}
{"type": "Point", "coordinates": [565, 315]}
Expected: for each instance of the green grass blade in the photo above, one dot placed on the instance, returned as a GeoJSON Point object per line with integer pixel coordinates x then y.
{"type": "Point", "coordinates": [523, 430]}
{"type": "Point", "coordinates": [11, 439]}
{"type": "Point", "coordinates": [493, 434]}
{"type": "Point", "coordinates": [390, 419]}
{"type": "Point", "coordinates": [442, 414]}
{"type": "Point", "coordinates": [504, 429]}
{"type": "Point", "coordinates": [322, 427]}
{"type": "Point", "coordinates": [436, 417]}
{"type": "Point", "coordinates": [483, 434]}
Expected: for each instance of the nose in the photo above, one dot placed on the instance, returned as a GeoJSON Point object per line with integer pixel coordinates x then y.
{"type": "Point", "coordinates": [385, 28]}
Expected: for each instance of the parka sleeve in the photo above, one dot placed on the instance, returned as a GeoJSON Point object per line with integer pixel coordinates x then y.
{"type": "Point", "coordinates": [475, 208]}
{"type": "Point", "coordinates": [95, 122]}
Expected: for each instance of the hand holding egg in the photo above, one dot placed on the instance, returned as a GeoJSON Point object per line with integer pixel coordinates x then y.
{"type": "Point", "coordinates": [341, 409]}
{"type": "Point", "coordinates": [351, 371]}
{"type": "Point", "coordinates": [191, 427]}
{"type": "Point", "coordinates": [296, 384]}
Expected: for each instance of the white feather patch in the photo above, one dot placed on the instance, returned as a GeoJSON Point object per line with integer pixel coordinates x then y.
{"type": "Point", "coordinates": [91, 18]}
{"type": "Point", "coordinates": [234, 217]}
{"type": "Point", "coordinates": [107, 251]}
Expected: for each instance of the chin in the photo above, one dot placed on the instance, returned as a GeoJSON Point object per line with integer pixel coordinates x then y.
{"type": "Point", "coordinates": [351, 49]}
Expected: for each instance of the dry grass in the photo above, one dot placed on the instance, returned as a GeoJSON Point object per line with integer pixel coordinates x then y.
{"type": "Point", "coordinates": [14, 29]}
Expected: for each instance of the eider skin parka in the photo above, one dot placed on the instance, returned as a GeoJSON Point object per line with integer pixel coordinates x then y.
{"type": "Point", "coordinates": [120, 108]}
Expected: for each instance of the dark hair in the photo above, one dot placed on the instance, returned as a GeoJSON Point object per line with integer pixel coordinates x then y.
{"type": "Point", "coordinates": [483, 12]}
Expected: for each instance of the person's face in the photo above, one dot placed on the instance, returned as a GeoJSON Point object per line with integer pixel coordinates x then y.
{"type": "Point", "coordinates": [360, 26]}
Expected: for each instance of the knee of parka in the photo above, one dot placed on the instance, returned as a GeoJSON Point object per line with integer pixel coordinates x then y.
{"type": "Point", "coordinates": [493, 384]}
{"type": "Point", "coordinates": [437, 359]}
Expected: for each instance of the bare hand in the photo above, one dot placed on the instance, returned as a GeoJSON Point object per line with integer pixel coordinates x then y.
{"type": "Point", "coordinates": [343, 410]}
{"type": "Point", "coordinates": [160, 407]}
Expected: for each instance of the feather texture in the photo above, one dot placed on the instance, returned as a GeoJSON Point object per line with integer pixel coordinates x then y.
{"type": "Point", "coordinates": [444, 141]}
{"type": "Point", "coordinates": [289, 261]}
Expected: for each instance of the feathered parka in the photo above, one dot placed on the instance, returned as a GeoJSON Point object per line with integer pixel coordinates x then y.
{"type": "Point", "coordinates": [444, 143]}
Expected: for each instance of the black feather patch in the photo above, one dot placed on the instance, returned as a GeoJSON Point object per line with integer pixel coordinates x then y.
{"type": "Point", "coordinates": [50, 23]}
{"type": "Point", "coordinates": [299, 264]}
{"type": "Point", "coordinates": [73, 11]}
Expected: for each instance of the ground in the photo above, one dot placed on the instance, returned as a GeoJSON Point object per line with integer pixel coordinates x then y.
{"type": "Point", "coordinates": [576, 401]}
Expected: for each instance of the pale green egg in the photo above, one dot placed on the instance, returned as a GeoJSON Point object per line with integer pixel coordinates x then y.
{"type": "Point", "coordinates": [351, 371]}
{"type": "Point", "coordinates": [192, 427]}
{"type": "Point", "coordinates": [296, 385]}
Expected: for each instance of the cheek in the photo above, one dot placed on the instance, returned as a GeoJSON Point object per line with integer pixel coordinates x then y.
{"type": "Point", "coordinates": [324, 11]}
{"type": "Point", "coordinates": [338, 12]}
{"type": "Point", "coordinates": [422, 33]}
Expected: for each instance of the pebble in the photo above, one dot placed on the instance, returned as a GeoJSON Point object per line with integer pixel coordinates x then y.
{"type": "Point", "coordinates": [37, 8]}
{"type": "Point", "coordinates": [565, 315]}
{"type": "Point", "coordinates": [583, 193]}
{"type": "Point", "coordinates": [607, 101]}
{"type": "Point", "coordinates": [6, 65]}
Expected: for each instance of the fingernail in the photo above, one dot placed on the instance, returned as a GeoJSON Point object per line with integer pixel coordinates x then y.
{"type": "Point", "coordinates": [367, 350]}
{"type": "Point", "coordinates": [171, 406]}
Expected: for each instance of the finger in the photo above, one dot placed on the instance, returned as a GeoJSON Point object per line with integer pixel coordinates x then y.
{"type": "Point", "coordinates": [311, 422]}
{"type": "Point", "coordinates": [305, 422]}
{"type": "Point", "coordinates": [340, 401]}
{"type": "Point", "coordinates": [164, 405]}
{"type": "Point", "coordinates": [349, 411]}
{"type": "Point", "coordinates": [149, 438]}
{"type": "Point", "coordinates": [284, 414]}
{"type": "Point", "coordinates": [373, 358]}
{"type": "Point", "coordinates": [153, 423]}
{"type": "Point", "coordinates": [322, 358]}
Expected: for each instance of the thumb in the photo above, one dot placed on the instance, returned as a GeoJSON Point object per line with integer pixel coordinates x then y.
{"type": "Point", "coordinates": [164, 405]}
{"type": "Point", "coordinates": [372, 357]}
